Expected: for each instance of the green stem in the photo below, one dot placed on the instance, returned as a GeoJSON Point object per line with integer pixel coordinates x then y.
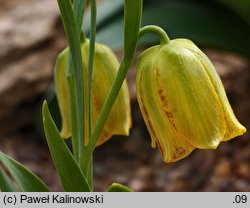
{"type": "Point", "coordinates": [132, 24]}
{"type": "Point", "coordinates": [105, 112]}
{"type": "Point", "coordinates": [79, 9]}
{"type": "Point", "coordinates": [89, 171]}
{"type": "Point", "coordinates": [72, 108]}
{"type": "Point", "coordinates": [91, 61]}
{"type": "Point", "coordinates": [73, 36]}
{"type": "Point", "coordinates": [164, 39]}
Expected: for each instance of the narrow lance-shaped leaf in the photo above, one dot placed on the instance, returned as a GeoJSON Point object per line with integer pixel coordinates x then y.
{"type": "Point", "coordinates": [70, 173]}
{"type": "Point", "coordinates": [117, 187]}
{"type": "Point", "coordinates": [73, 36]}
{"type": "Point", "coordinates": [89, 171]}
{"type": "Point", "coordinates": [79, 10]}
{"type": "Point", "coordinates": [5, 182]}
{"type": "Point", "coordinates": [132, 23]}
{"type": "Point", "coordinates": [25, 179]}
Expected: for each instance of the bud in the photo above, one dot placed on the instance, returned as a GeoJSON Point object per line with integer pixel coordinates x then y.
{"type": "Point", "coordinates": [105, 67]}
{"type": "Point", "coordinates": [182, 100]}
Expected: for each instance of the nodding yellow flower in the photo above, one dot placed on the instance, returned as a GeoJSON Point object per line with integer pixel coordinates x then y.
{"type": "Point", "coordinates": [105, 67]}
{"type": "Point", "coordinates": [182, 100]}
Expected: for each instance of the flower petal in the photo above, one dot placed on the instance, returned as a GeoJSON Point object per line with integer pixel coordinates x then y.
{"type": "Point", "coordinates": [233, 126]}
{"type": "Point", "coordinates": [61, 90]}
{"type": "Point", "coordinates": [158, 121]}
{"type": "Point", "coordinates": [191, 97]}
{"type": "Point", "coordinates": [105, 68]}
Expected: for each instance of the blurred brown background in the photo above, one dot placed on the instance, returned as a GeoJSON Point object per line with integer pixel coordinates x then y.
{"type": "Point", "coordinates": [31, 36]}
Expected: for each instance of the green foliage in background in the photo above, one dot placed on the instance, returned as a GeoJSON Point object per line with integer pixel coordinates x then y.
{"type": "Point", "coordinates": [242, 7]}
{"type": "Point", "coordinates": [218, 24]}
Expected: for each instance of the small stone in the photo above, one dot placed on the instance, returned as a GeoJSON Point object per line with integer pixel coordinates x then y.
{"type": "Point", "coordinates": [137, 184]}
{"type": "Point", "coordinates": [223, 168]}
{"type": "Point", "coordinates": [243, 170]}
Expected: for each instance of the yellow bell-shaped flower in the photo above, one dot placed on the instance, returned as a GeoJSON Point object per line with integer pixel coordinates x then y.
{"type": "Point", "coordinates": [182, 100]}
{"type": "Point", "coordinates": [105, 67]}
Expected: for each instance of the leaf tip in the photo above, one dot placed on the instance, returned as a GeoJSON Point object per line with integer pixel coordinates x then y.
{"type": "Point", "coordinates": [117, 187]}
{"type": "Point", "coordinates": [45, 109]}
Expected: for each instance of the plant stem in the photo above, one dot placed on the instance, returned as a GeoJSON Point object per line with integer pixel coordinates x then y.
{"type": "Point", "coordinates": [164, 39]}
{"type": "Point", "coordinates": [72, 107]}
{"type": "Point", "coordinates": [132, 22]}
{"type": "Point", "coordinates": [79, 10]}
{"type": "Point", "coordinates": [73, 36]}
{"type": "Point", "coordinates": [105, 112]}
{"type": "Point", "coordinates": [91, 61]}
{"type": "Point", "coordinates": [79, 7]}
{"type": "Point", "coordinates": [89, 171]}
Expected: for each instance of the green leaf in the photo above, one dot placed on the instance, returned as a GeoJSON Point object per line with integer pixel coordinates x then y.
{"type": "Point", "coordinates": [89, 171]}
{"type": "Point", "coordinates": [110, 27]}
{"type": "Point", "coordinates": [73, 36]}
{"type": "Point", "coordinates": [5, 183]}
{"type": "Point", "coordinates": [70, 173]}
{"type": "Point", "coordinates": [79, 10]}
{"type": "Point", "coordinates": [131, 33]}
{"type": "Point", "coordinates": [25, 179]}
{"type": "Point", "coordinates": [205, 23]}
{"type": "Point", "coordinates": [242, 7]}
{"type": "Point", "coordinates": [132, 24]}
{"type": "Point", "coordinates": [117, 187]}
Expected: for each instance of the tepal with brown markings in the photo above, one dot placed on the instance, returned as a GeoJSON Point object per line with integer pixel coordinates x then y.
{"type": "Point", "coordinates": [182, 100]}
